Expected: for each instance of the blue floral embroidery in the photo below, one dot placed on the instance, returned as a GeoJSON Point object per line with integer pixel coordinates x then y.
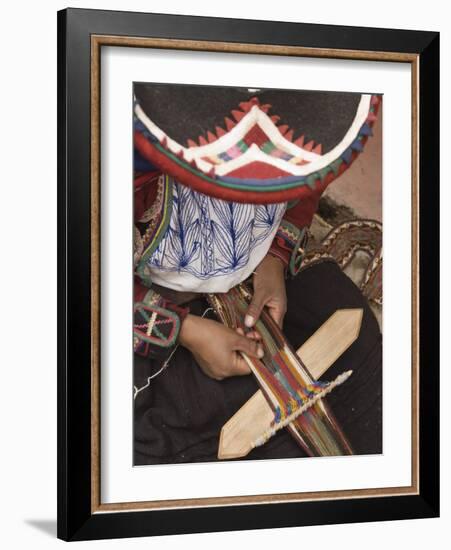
{"type": "Point", "coordinates": [232, 233]}
{"type": "Point", "coordinates": [208, 237]}
{"type": "Point", "coordinates": [266, 216]}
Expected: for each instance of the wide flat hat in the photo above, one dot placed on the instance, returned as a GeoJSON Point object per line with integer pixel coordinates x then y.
{"type": "Point", "coordinates": [250, 145]}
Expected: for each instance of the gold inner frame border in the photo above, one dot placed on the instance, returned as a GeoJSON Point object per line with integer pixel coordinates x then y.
{"type": "Point", "coordinates": [97, 41]}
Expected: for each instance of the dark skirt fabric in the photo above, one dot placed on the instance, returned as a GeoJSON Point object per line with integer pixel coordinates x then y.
{"type": "Point", "coordinates": [179, 416]}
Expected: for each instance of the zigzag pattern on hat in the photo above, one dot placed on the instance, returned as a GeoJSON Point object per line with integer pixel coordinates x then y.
{"type": "Point", "coordinates": [254, 153]}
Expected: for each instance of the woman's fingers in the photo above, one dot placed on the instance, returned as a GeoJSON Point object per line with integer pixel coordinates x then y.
{"type": "Point", "coordinates": [255, 308]}
{"type": "Point", "coordinates": [252, 334]}
{"type": "Point", "coordinates": [241, 367]}
{"type": "Point", "coordinates": [248, 346]}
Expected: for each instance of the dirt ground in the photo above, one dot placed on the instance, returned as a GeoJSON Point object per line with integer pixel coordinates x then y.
{"type": "Point", "coordinates": [360, 187]}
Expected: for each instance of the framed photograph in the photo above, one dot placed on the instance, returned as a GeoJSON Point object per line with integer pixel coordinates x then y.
{"type": "Point", "coordinates": [248, 274]}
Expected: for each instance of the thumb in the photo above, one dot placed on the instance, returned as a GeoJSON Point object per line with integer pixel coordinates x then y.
{"type": "Point", "coordinates": [254, 310]}
{"type": "Point", "coordinates": [241, 368]}
{"type": "Point", "coordinates": [249, 347]}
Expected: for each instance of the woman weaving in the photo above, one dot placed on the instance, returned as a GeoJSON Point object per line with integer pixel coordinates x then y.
{"type": "Point", "coordinates": [231, 207]}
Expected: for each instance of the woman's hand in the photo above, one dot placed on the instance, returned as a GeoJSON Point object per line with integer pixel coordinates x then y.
{"type": "Point", "coordinates": [217, 348]}
{"type": "Point", "coordinates": [269, 291]}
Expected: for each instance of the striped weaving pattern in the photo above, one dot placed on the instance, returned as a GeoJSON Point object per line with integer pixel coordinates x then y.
{"type": "Point", "coordinates": [295, 397]}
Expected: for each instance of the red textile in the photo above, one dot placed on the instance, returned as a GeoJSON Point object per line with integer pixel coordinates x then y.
{"type": "Point", "coordinates": [145, 192]}
{"type": "Point", "coordinates": [257, 169]}
{"type": "Point", "coordinates": [280, 250]}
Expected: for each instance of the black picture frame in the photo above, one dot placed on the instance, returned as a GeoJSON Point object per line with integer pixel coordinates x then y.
{"type": "Point", "coordinates": [76, 518]}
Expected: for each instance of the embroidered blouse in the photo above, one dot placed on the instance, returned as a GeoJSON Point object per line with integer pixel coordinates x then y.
{"type": "Point", "coordinates": [211, 245]}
